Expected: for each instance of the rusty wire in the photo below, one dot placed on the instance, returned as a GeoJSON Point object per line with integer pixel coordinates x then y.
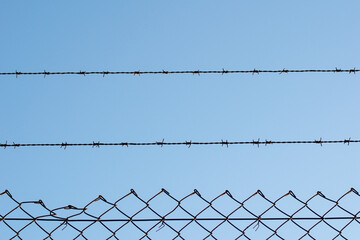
{"type": "Point", "coordinates": [196, 72]}
{"type": "Point", "coordinates": [257, 223]}
{"type": "Point", "coordinates": [186, 143]}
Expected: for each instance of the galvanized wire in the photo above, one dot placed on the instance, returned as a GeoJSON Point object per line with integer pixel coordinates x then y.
{"type": "Point", "coordinates": [259, 222]}
{"type": "Point", "coordinates": [194, 72]}
{"type": "Point", "coordinates": [186, 143]}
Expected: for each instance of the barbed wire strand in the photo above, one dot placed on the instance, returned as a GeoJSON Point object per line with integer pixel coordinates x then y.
{"type": "Point", "coordinates": [186, 143]}
{"type": "Point", "coordinates": [196, 72]}
{"type": "Point", "coordinates": [165, 220]}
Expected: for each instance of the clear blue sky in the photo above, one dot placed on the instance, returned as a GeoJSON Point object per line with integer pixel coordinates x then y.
{"type": "Point", "coordinates": [178, 35]}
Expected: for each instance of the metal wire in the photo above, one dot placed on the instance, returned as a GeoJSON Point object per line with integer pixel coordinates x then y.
{"type": "Point", "coordinates": [186, 143]}
{"type": "Point", "coordinates": [196, 72]}
{"type": "Point", "coordinates": [79, 221]}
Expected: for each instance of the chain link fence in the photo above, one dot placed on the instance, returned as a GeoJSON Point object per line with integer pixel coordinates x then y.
{"type": "Point", "coordinates": [192, 217]}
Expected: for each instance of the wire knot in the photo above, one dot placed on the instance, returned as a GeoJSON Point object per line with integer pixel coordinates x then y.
{"type": "Point", "coordinates": [17, 73]}
{"type": "Point", "coordinates": [65, 144]}
{"type": "Point", "coordinates": [165, 191]}
{"type": "Point", "coordinates": [291, 193]}
{"type": "Point", "coordinates": [255, 71]}
{"type": "Point", "coordinates": [354, 191]}
{"type": "Point", "coordinates": [100, 197]}
{"type": "Point", "coordinates": [228, 193]}
{"type": "Point", "coordinates": [352, 71]}
{"type": "Point", "coordinates": [15, 145]}
{"type": "Point", "coordinates": [260, 193]}
{"type": "Point", "coordinates": [197, 72]}
{"type": "Point", "coordinates": [161, 143]}
{"type": "Point", "coordinates": [256, 142]}
{"type": "Point", "coordinates": [46, 73]}
{"type": "Point", "coordinates": [284, 71]}
{"type": "Point", "coordinates": [224, 143]}
{"type": "Point", "coordinates": [320, 194]}
{"type": "Point", "coordinates": [197, 192]}
{"type": "Point", "coordinates": [319, 141]}
{"type": "Point", "coordinates": [4, 145]}
{"type": "Point", "coordinates": [133, 192]}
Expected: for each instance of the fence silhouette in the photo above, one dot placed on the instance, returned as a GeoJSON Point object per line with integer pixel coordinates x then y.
{"type": "Point", "coordinates": [194, 72]}
{"type": "Point", "coordinates": [162, 216]}
{"type": "Point", "coordinates": [162, 143]}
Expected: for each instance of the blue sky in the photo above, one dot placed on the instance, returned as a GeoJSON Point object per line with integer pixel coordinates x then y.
{"type": "Point", "coordinates": [178, 35]}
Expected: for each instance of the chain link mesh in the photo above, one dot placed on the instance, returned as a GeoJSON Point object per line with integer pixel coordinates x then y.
{"type": "Point", "coordinates": [192, 217]}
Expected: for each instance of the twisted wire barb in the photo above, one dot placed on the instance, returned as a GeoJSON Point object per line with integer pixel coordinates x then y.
{"type": "Point", "coordinates": [257, 222]}
{"type": "Point", "coordinates": [196, 72]}
{"type": "Point", "coordinates": [186, 143]}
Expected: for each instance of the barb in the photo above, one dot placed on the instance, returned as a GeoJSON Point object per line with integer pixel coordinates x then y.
{"type": "Point", "coordinates": [196, 72]}
{"type": "Point", "coordinates": [96, 144]}
{"type": "Point", "coordinates": [242, 217]}
{"type": "Point", "coordinates": [186, 143]}
{"type": "Point", "coordinates": [226, 143]}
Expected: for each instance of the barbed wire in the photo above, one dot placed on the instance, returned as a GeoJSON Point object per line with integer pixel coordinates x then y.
{"type": "Point", "coordinates": [243, 218]}
{"type": "Point", "coordinates": [186, 143]}
{"type": "Point", "coordinates": [196, 72]}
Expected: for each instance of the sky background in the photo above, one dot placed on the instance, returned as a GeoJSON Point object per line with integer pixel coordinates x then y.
{"type": "Point", "coordinates": [178, 35]}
